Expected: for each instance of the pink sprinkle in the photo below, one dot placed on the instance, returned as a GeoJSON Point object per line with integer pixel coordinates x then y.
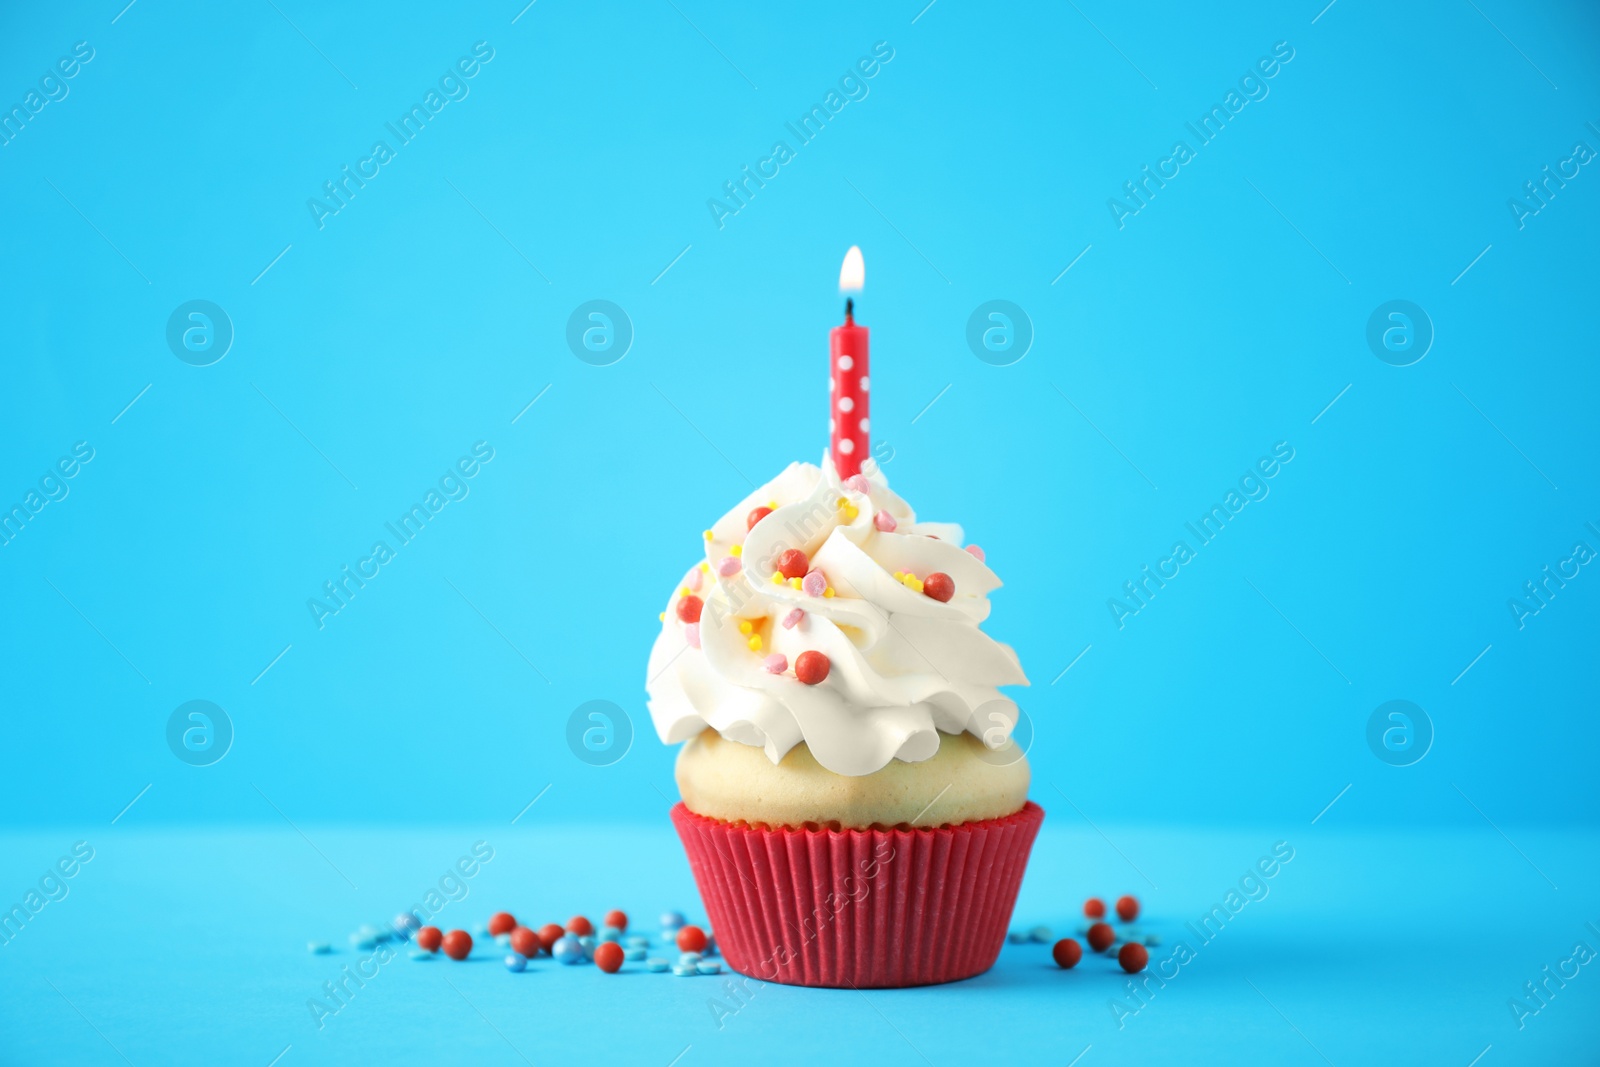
{"type": "Point", "coordinates": [976, 552]}
{"type": "Point", "coordinates": [691, 633]}
{"type": "Point", "coordinates": [884, 521]}
{"type": "Point", "coordinates": [696, 579]}
{"type": "Point", "coordinates": [728, 567]}
{"type": "Point", "coordinates": [777, 663]}
{"type": "Point", "coordinates": [814, 584]}
{"type": "Point", "coordinates": [857, 484]}
{"type": "Point", "coordinates": [793, 618]}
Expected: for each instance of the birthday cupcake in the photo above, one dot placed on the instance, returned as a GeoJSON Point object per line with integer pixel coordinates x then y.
{"type": "Point", "coordinates": [854, 809]}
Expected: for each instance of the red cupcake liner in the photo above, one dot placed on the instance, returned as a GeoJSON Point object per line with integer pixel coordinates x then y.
{"type": "Point", "coordinates": [859, 908]}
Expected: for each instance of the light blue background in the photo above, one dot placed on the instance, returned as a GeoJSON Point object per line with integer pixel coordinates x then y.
{"type": "Point", "coordinates": [426, 315]}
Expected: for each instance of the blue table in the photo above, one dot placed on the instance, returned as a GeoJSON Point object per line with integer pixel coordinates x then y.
{"type": "Point", "coordinates": [179, 947]}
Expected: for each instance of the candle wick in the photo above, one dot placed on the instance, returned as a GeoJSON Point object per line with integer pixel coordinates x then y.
{"type": "Point", "coordinates": [849, 311]}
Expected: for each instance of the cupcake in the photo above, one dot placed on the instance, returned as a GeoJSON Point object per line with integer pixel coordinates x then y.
{"type": "Point", "coordinates": [854, 808]}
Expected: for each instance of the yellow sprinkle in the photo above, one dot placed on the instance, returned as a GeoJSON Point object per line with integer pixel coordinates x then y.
{"type": "Point", "coordinates": [745, 627]}
{"type": "Point", "coordinates": [773, 504]}
{"type": "Point", "coordinates": [736, 551]}
{"type": "Point", "coordinates": [850, 512]}
{"type": "Point", "coordinates": [777, 578]}
{"type": "Point", "coordinates": [754, 642]}
{"type": "Point", "coordinates": [841, 502]}
{"type": "Point", "coordinates": [828, 591]}
{"type": "Point", "coordinates": [916, 586]}
{"type": "Point", "coordinates": [899, 576]}
{"type": "Point", "coordinates": [684, 591]}
{"type": "Point", "coordinates": [795, 583]}
{"type": "Point", "coordinates": [662, 616]}
{"type": "Point", "coordinates": [705, 568]}
{"type": "Point", "coordinates": [708, 535]}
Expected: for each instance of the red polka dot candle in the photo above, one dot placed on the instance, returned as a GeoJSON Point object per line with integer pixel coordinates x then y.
{"type": "Point", "coordinates": [848, 347]}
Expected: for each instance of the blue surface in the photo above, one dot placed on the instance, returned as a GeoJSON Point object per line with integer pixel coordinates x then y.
{"type": "Point", "coordinates": [189, 947]}
{"type": "Point", "coordinates": [1376, 155]}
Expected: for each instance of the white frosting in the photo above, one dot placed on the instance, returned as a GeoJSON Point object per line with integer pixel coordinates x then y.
{"type": "Point", "coordinates": [903, 666]}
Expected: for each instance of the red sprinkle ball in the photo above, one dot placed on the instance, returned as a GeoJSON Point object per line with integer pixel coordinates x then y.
{"type": "Point", "coordinates": [1127, 908]}
{"type": "Point", "coordinates": [608, 956]}
{"type": "Point", "coordinates": [549, 934]}
{"type": "Point", "coordinates": [1094, 908]}
{"type": "Point", "coordinates": [793, 563]}
{"type": "Point", "coordinates": [689, 609]}
{"type": "Point", "coordinates": [458, 944]}
{"type": "Point", "coordinates": [811, 668]}
{"type": "Point", "coordinates": [580, 926]}
{"type": "Point", "coordinates": [690, 939]}
{"type": "Point", "coordinates": [940, 586]}
{"type": "Point", "coordinates": [429, 938]}
{"type": "Point", "coordinates": [1067, 953]}
{"type": "Point", "coordinates": [616, 918]}
{"type": "Point", "coordinates": [501, 922]}
{"type": "Point", "coordinates": [756, 516]}
{"type": "Point", "coordinates": [524, 942]}
{"type": "Point", "coordinates": [1133, 957]}
{"type": "Point", "coordinates": [1101, 936]}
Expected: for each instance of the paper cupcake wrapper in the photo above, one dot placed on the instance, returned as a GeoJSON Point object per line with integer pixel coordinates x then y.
{"type": "Point", "coordinates": [859, 908]}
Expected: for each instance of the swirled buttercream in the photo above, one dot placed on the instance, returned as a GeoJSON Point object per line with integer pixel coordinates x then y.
{"type": "Point", "coordinates": [903, 666]}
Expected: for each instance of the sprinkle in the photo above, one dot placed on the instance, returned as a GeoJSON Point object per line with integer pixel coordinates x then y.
{"type": "Point", "coordinates": [828, 592]}
{"type": "Point", "coordinates": [797, 583]}
{"type": "Point", "coordinates": [728, 567]}
{"type": "Point", "coordinates": [684, 970]}
{"type": "Point", "coordinates": [657, 966]}
{"type": "Point", "coordinates": [705, 568]}
{"type": "Point", "coordinates": [884, 521]}
{"type": "Point", "coordinates": [813, 583]}
{"type": "Point", "coordinates": [777, 578]}
{"type": "Point", "coordinates": [975, 552]}
{"type": "Point", "coordinates": [318, 948]}
{"type": "Point", "coordinates": [811, 667]}
{"type": "Point", "coordinates": [899, 576]}
{"type": "Point", "coordinates": [713, 967]}
{"type": "Point", "coordinates": [793, 617]}
{"type": "Point", "coordinates": [841, 502]}
{"type": "Point", "coordinates": [754, 642]}
{"type": "Point", "coordinates": [745, 626]}
{"type": "Point", "coordinates": [777, 663]}
{"type": "Point", "coordinates": [684, 591]}
{"type": "Point", "coordinates": [635, 953]}
{"type": "Point", "coordinates": [697, 578]}
{"type": "Point", "coordinates": [691, 634]}
{"type": "Point", "coordinates": [773, 504]}
{"type": "Point", "coordinates": [662, 616]}
{"type": "Point", "coordinates": [708, 535]}
{"type": "Point", "coordinates": [857, 484]}
{"type": "Point", "coordinates": [850, 512]}
{"type": "Point", "coordinates": [736, 550]}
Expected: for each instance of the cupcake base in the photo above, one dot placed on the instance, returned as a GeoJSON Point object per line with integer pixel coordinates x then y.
{"type": "Point", "coordinates": [859, 908]}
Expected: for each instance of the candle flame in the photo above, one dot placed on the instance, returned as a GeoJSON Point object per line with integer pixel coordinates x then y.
{"type": "Point", "coordinates": [853, 275]}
